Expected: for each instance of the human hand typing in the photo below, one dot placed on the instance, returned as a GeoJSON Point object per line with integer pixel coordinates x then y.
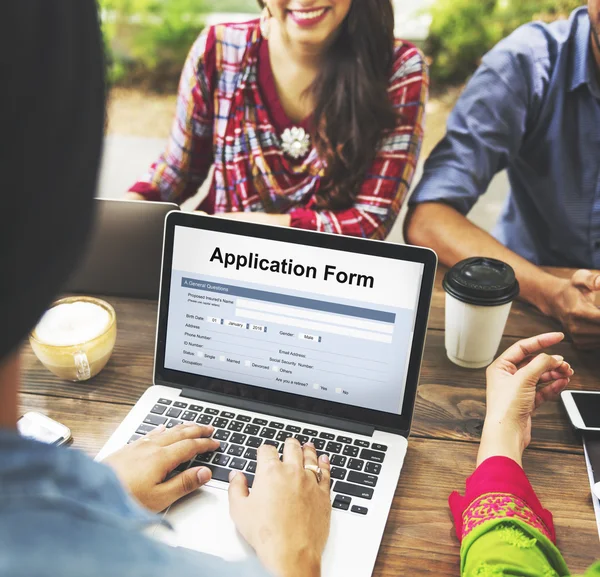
{"type": "Point", "coordinates": [286, 517]}
{"type": "Point", "coordinates": [572, 302]}
{"type": "Point", "coordinates": [143, 465]}
{"type": "Point", "coordinates": [518, 381]}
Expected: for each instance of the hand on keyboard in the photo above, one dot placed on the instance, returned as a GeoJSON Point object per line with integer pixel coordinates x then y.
{"type": "Point", "coordinates": [286, 517]}
{"type": "Point", "coordinates": [143, 465]}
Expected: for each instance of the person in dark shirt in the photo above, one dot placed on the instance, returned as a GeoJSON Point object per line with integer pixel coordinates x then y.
{"type": "Point", "coordinates": [60, 512]}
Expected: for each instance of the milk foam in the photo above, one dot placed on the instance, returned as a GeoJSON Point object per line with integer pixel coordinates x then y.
{"type": "Point", "coordinates": [72, 324]}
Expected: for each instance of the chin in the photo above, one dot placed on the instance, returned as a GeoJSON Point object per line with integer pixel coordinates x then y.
{"type": "Point", "coordinates": [309, 37]}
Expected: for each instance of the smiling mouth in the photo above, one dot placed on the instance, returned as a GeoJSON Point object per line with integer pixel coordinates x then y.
{"type": "Point", "coordinates": [308, 15]}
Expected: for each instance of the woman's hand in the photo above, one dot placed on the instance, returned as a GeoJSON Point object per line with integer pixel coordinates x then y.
{"type": "Point", "coordinates": [143, 465]}
{"type": "Point", "coordinates": [513, 394]}
{"type": "Point", "coordinates": [286, 517]}
{"type": "Point", "coordinates": [258, 217]}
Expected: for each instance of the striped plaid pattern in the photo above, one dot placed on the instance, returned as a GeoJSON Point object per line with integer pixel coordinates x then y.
{"type": "Point", "coordinates": [222, 119]}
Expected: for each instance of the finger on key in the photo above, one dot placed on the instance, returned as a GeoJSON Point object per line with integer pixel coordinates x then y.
{"type": "Point", "coordinates": [266, 456]}
{"type": "Point", "coordinates": [187, 449]}
{"type": "Point", "coordinates": [185, 431]}
{"type": "Point", "coordinates": [292, 453]}
{"type": "Point", "coordinates": [157, 431]}
{"type": "Point", "coordinates": [310, 456]}
{"type": "Point", "coordinates": [325, 471]}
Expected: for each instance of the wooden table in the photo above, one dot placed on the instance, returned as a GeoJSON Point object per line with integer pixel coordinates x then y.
{"type": "Point", "coordinates": [448, 420]}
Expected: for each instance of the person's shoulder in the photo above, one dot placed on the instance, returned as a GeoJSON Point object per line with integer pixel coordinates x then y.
{"type": "Point", "coordinates": [534, 40]}
{"type": "Point", "coordinates": [234, 39]}
{"type": "Point", "coordinates": [235, 32]}
{"type": "Point", "coordinates": [231, 39]}
{"type": "Point", "coordinates": [535, 44]}
{"type": "Point", "coordinates": [408, 61]}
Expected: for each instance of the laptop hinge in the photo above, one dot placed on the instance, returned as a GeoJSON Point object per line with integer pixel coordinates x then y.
{"type": "Point", "coordinates": [279, 411]}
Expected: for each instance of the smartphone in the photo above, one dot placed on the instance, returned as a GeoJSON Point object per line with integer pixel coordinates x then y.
{"type": "Point", "coordinates": [44, 429]}
{"type": "Point", "coordinates": [583, 408]}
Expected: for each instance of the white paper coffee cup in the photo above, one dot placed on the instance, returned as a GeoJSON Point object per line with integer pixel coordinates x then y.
{"type": "Point", "coordinates": [473, 333]}
{"type": "Point", "coordinates": [479, 296]}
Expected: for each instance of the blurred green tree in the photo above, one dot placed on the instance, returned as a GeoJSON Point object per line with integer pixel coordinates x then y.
{"type": "Point", "coordinates": [462, 31]}
{"type": "Point", "coordinates": [147, 40]}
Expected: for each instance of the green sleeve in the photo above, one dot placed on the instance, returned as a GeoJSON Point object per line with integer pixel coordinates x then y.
{"type": "Point", "coordinates": [512, 548]}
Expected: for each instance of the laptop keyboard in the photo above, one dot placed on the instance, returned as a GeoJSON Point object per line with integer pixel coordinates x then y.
{"type": "Point", "coordinates": [355, 463]}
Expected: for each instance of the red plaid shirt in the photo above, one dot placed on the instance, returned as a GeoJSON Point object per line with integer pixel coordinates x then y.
{"type": "Point", "coordinates": [228, 115]}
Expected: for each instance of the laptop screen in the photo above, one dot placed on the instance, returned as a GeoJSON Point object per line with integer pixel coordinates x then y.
{"type": "Point", "coordinates": [327, 324]}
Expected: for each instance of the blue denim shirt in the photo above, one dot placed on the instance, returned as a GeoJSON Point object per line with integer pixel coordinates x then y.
{"type": "Point", "coordinates": [63, 515]}
{"type": "Point", "coordinates": [532, 107]}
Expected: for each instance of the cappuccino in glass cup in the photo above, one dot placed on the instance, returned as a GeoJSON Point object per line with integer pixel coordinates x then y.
{"type": "Point", "coordinates": [479, 296]}
{"type": "Point", "coordinates": [75, 337]}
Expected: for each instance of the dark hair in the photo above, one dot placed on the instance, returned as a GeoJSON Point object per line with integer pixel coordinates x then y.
{"type": "Point", "coordinates": [53, 126]}
{"type": "Point", "coordinates": [352, 108]}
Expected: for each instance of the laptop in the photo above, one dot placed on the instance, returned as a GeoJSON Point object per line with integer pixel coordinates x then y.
{"type": "Point", "coordinates": [124, 254]}
{"type": "Point", "coordinates": [268, 332]}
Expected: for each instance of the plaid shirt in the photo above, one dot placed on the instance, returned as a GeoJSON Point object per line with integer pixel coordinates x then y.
{"type": "Point", "coordinates": [228, 115]}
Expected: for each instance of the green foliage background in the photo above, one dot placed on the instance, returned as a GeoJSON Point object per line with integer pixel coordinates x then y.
{"type": "Point", "coordinates": [147, 40]}
{"type": "Point", "coordinates": [462, 31]}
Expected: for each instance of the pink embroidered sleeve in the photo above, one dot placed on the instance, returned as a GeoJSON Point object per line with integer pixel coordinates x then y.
{"type": "Point", "coordinates": [498, 489]}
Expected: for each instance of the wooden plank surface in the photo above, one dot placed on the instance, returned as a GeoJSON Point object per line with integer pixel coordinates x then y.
{"type": "Point", "coordinates": [419, 531]}
{"type": "Point", "coordinates": [450, 402]}
{"type": "Point", "coordinates": [448, 418]}
{"type": "Point", "coordinates": [91, 423]}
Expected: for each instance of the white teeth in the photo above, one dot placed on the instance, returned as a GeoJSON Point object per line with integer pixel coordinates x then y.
{"type": "Point", "coordinates": [309, 15]}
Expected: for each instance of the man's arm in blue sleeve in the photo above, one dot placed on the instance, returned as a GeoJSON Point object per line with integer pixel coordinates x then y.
{"type": "Point", "coordinates": [484, 130]}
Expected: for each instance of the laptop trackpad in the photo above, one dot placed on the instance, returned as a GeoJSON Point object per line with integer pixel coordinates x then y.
{"type": "Point", "coordinates": [201, 522]}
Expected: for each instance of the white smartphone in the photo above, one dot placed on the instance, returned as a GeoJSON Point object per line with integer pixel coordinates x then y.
{"type": "Point", "coordinates": [44, 429]}
{"type": "Point", "coordinates": [583, 408]}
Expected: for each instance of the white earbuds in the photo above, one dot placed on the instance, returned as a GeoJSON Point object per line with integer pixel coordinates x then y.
{"type": "Point", "coordinates": [596, 490]}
